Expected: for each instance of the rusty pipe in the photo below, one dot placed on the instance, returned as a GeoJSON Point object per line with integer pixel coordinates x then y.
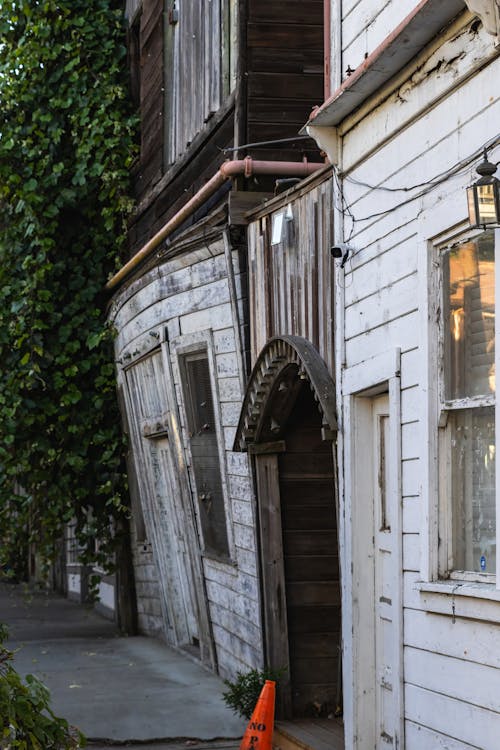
{"type": "Point", "coordinates": [246, 167]}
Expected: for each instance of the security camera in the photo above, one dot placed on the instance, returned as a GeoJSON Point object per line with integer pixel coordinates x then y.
{"type": "Point", "coordinates": [338, 251]}
{"type": "Point", "coordinates": [341, 251]}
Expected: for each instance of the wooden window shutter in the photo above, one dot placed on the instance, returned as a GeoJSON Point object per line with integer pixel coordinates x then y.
{"type": "Point", "coordinates": [205, 453]}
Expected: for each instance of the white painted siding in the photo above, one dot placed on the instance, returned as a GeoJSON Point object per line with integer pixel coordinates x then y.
{"type": "Point", "coordinates": [366, 23]}
{"type": "Point", "coordinates": [428, 124]}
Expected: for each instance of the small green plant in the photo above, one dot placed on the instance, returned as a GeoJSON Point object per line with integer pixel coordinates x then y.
{"type": "Point", "coordinates": [244, 691]}
{"type": "Point", "coordinates": [26, 719]}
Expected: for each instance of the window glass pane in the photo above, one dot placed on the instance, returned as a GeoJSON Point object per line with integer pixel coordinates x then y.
{"type": "Point", "coordinates": [473, 489]}
{"type": "Point", "coordinates": [469, 279]}
{"type": "Point", "coordinates": [205, 453]}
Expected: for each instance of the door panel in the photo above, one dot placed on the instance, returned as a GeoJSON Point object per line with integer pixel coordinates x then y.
{"type": "Point", "coordinates": [309, 531]}
{"type": "Point", "coordinates": [385, 572]}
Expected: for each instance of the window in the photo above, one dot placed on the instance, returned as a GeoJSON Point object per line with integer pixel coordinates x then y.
{"type": "Point", "coordinates": [205, 452]}
{"type": "Point", "coordinates": [199, 53]}
{"type": "Point", "coordinates": [467, 446]}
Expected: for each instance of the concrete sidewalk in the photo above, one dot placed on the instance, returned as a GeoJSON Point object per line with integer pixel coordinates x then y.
{"type": "Point", "coordinates": [115, 689]}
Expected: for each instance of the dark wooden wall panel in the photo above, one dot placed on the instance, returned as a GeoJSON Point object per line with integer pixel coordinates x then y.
{"type": "Point", "coordinates": [285, 72]}
{"type": "Point", "coordinates": [151, 96]}
{"type": "Point", "coordinates": [281, 47]}
{"type": "Point", "coordinates": [310, 556]}
{"type": "Point", "coordinates": [183, 185]}
{"type": "Point", "coordinates": [291, 282]}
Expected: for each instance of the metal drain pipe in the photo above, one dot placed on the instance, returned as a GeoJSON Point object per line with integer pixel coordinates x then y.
{"type": "Point", "coordinates": [229, 169]}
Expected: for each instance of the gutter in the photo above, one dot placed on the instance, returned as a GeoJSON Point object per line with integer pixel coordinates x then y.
{"type": "Point", "coordinates": [229, 169]}
{"type": "Point", "coordinates": [408, 38]}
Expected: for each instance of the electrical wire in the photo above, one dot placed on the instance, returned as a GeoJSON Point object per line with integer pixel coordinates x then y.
{"type": "Point", "coordinates": [428, 186]}
{"type": "Point", "coordinates": [264, 143]}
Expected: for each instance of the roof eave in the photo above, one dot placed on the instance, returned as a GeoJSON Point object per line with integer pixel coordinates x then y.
{"type": "Point", "coordinates": [397, 50]}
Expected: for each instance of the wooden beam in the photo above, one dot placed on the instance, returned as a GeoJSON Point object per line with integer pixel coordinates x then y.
{"type": "Point", "coordinates": [259, 449]}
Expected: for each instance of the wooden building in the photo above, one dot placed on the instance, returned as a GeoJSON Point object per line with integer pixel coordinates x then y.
{"type": "Point", "coordinates": [414, 103]}
{"type": "Point", "coordinates": [209, 76]}
{"type": "Point", "coordinates": [308, 373]}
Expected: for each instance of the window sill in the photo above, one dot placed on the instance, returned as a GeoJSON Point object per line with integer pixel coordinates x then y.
{"type": "Point", "coordinates": [477, 601]}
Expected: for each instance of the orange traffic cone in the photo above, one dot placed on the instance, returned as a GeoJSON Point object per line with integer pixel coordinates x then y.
{"type": "Point", "coordinates": [259, 732]}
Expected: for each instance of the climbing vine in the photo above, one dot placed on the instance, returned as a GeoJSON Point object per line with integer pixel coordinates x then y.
{"type": "Point", "coordinates": [67, 138]}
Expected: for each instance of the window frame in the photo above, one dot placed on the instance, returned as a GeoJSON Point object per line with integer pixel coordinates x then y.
{"type": "Point", "coordinates": [188, 345]}
{"type": "Point", "coordinates": [447, 407]}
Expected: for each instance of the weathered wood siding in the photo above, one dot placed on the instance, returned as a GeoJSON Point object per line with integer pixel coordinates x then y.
{"type": "Point", "coordinates": [186, 75]}
{"type": "Point", "coordinates": [437, 115]}
{"type": "Point", "coordinates": [290, 282]}
{"type": "Point", "coordinates": [151, 93]}
{"type": "Point", "coordinates": [284, 56]}
{"type": "Point", "coordinates": [199, 47]}
{"type": "Point", "coordinates": [149, 616]}
{"type": "Point", "coordinates": [183, 305]}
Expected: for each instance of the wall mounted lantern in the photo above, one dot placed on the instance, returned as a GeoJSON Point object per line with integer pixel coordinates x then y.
{"type": "Point", "coordinates": [483, 196]}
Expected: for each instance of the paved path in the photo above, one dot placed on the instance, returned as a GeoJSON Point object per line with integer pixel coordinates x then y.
{"type": "Point", "coordinates": [115, 689]}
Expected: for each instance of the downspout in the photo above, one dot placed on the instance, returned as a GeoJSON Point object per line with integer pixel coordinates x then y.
{"type": "Point", "coordinates": [246, 167]}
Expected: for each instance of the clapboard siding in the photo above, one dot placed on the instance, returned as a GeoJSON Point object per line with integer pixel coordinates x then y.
{"type": "Point", "coordinates": [454, 718]}
{"type": "Point", "coordinates": [366, 23]}
{"type": "Point", "coordinates": [147, 588]}
{"type": "Point", "coordinates": [473, 642]}
{"type": "Point", "coordinates": [456, 678]}
{"type": "Point", "coordinates": [412, 514]}
{"type": "Point", "coordinates": [430, 118]}
{"type": "Point", "coordinates": [190, 297]}
{"type": "Point", "coordinates": [418, 737]}
{"type": "Point", "coordinates": [382, 306]}
{"type": "Point", "coordinates": [401, 332]}
{"type": "Point", "coordinates": [433, 74]}
{"type": "Point", "coordinates": [411, 366]}
{"type": "Point", "coordinates": [410, 439]}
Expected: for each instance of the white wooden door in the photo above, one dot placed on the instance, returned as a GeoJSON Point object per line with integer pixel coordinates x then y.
{"type": "Point", "coordinates": [181, 574]}
{"type": "Point", "coordinates": [165, 517]}
{"type": "Point", "coordinates": [385, 498]}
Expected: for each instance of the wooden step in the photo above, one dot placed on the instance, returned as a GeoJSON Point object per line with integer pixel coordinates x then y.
{"type": "Point", "coordinates": [312, 734]}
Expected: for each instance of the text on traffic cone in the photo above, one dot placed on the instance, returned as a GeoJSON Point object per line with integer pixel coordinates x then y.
{"type": "Point", "coordinates": [259, 732]}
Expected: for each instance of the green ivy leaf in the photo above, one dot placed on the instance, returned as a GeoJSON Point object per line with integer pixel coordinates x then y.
{"type": "Point", "coordinates": [67, 139]}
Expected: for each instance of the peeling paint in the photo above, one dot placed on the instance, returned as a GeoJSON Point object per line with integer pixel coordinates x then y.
{"type": "Point", "coordinates": [444, 61]}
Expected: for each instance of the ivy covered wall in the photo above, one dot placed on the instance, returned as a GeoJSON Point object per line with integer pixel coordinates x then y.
{"type": "Point", "coordinates": [67, 141]}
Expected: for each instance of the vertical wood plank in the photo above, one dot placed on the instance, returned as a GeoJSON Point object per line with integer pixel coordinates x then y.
{"type": "Point", "coordinates": [273, 572]}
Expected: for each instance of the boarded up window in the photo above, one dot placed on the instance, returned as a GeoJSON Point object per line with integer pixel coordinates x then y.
{"type": "Point", "coordinates": [197, 51]}
{"type": "Point", "coordinates": [205, 452]}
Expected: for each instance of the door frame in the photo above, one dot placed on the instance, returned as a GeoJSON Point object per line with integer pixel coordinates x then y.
{"type": "Point", "coordinates": [374, 376]}
{"type": "Point", "coordinates": [267, 405]}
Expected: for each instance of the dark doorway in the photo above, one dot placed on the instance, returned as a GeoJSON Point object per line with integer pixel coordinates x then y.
{"type": "Point", "coordinates": [310, 558]}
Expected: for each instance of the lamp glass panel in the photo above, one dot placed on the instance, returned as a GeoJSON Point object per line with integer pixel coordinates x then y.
{"type": "Point", "coordinates": [486, 204]}
{"type": "Point", "coordinates": [471, 204]}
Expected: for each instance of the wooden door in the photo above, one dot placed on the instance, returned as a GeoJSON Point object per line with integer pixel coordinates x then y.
{"type": "Point", "coordinates": [180, 591]}
{"type": "Point", "coordinates": [165, 517]}
{"type": "Point", "coordinates": [385, 573]}
{"type": "Point", "coordinates": [310, 562]}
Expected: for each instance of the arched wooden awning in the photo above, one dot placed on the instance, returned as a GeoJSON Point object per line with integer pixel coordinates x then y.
{"type": "Point", "coordinates": [282, 366]}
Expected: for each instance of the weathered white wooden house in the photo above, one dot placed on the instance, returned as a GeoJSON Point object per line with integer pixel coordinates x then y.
{"type": "Point", "coordinates": [309, 382]}
{"type": "Point", "coordinates": [415, 100]}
